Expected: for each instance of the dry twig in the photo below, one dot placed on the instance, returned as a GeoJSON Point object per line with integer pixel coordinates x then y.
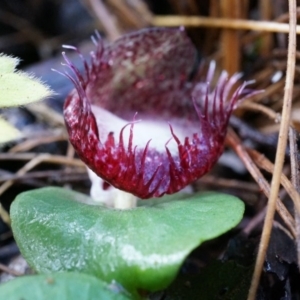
{"type": "Point", "coordinates": [36, 141]}
{"type": "Point", "coordinates": [296, 183]}
{"type": "Point", "coordinates": [263, 163]}
{"type": "Point", "coordinates": [36, 160]}
{"type": "Point", "coordinates": [98, 8]}
{"type": "Point", "coordinates": [230, 39]}
{"type": "Point", "coordinates": [235, 143]}
{"type": "Point", "coordinates": [8, 270]}
{"type": "Point", "coordinates": [193, 21]}
{"type": "Point", "coordinates": [280, 154]}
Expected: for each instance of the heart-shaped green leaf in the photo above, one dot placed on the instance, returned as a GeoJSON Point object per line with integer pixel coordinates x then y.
{"type": "Point", "coordinates": [141, 248]}
{"type": "Point", "coordinates": [62, 286]}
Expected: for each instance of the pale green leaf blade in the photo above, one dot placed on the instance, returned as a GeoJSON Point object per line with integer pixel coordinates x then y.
{"type": "Point", "coordinates": [20, 89]}
{"type": "Point", "coordinates": [8, 63]}
{"type": "Point", "coordinates": [8, 132]}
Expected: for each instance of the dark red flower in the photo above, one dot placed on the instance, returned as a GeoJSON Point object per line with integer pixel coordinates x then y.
{"type": "Point", "coordinates": [141, 121]}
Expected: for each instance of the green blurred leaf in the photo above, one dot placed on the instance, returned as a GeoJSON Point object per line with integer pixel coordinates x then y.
{"type": "Point", "coordinates": [142, 248]}
{"type": "Point", "coordinates": [62, 286]}
{"type": "Point", "coordinates": [8, 63]}
{"type": "Point", "coordinates": [18, 88]}
{"type": "Point", "coordinates": [8, 132]}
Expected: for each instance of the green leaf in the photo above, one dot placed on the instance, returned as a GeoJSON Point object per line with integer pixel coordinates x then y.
{"type": "Point", "coordinates": [62, 286]}
{"type": "Point", "coordinates": [8, 63]}
{"type": "Point", "coordinates": [141, 248]}
{"type": "Point", "coordinates": [8, 132]}
{"type": "Point", "coordinates": [18, 88]}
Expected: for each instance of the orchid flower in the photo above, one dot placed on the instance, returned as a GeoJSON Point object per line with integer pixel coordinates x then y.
{"type": "Point", "coordinates": [142, 119]}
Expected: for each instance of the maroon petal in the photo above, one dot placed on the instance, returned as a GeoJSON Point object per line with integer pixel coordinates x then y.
{"type": "Point", "coordinates": [145, 75]}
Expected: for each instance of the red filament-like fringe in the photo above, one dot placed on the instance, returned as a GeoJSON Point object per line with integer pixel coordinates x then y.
{"type": "Point", "coordinates": [145, 171]}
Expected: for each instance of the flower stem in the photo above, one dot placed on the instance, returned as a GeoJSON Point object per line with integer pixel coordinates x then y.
{"type": "Point", "coordinates": [124, 200]}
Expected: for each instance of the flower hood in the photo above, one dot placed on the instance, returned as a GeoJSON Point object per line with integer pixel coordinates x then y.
{"type": "Point", "coordinates": [142, 118]}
